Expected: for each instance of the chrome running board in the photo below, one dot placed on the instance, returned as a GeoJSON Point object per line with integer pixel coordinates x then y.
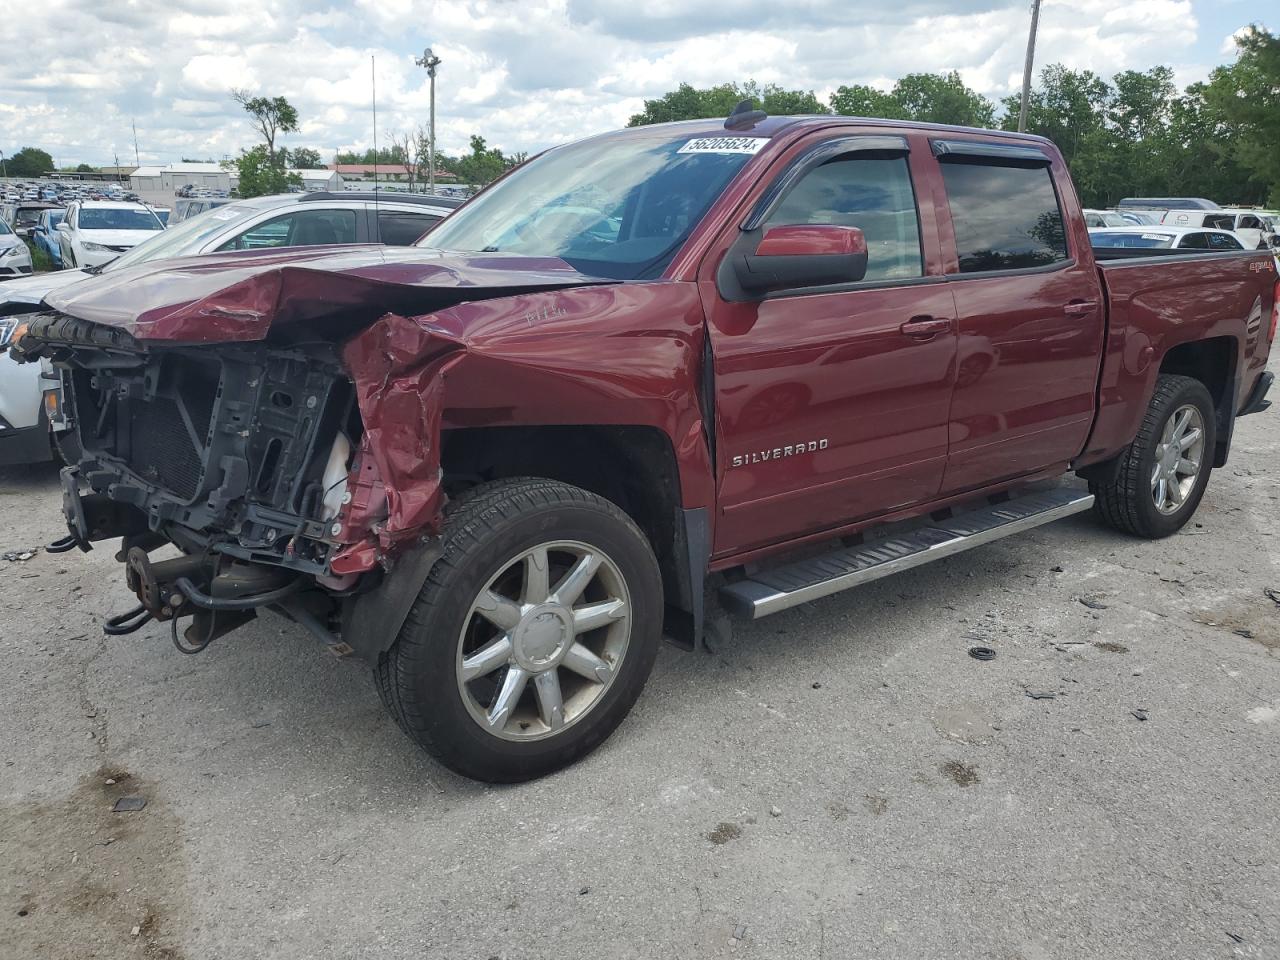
{"type": "Point", "coordinates": [782, 587]}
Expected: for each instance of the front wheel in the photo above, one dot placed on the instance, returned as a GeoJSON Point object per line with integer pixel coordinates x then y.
{"type": "Point", "coordinates": [533, 635]}
{"type": "Point", "coordinates": [1154, 486]}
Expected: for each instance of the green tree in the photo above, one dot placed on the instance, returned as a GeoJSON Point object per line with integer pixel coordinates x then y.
{"type": "Point", "coordinates": [304, 158]}
{"type": "Point", "coordinates": [859, 100]}
{"type": "Point", "coordinates": [29, 162]}
{"type": "Point", "coordinates": [481, 166]}
{"type": "Point", "coordinates": [688, 103]}
{"type": "Point", "coordinates": [84, 168]}
{"type": "Point", "coordinates": [392, 154]}
{"type": "Point", "coordinates": [1245, 99]}
{"type": "Point", "coordinates": [262, 173]}
{"type": "Point", "coordinates": [927, 97]}
{"type": "Point", "coordinates": [270, 115]}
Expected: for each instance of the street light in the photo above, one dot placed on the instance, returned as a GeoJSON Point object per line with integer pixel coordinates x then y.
{"type": "Point", "coordinates": [4, 169]}
{"type": "Point", "coordinates": [430, 61]}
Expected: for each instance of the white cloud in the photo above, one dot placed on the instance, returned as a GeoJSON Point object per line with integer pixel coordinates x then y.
{"type": "Point", "coordinates": [522, 73]}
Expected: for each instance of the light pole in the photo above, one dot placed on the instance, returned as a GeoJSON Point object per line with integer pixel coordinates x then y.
{"type": "Point", "coordinates": [431, 61]}
{"type": "Point", "coordinates": [1027, 67]}
{"type": "Point", "coordinates": [4, 168]}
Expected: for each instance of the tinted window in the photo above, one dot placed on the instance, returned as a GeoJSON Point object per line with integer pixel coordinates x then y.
{"type": "Point", "coordinates": [872, 194]}
{"type": "Point", "coordinates": [1195, 241]}
{"type": "Point", "coordinates": [1220, 221]}
{"type": "Point", "coordinates": [1005, 218]}
{"type": "Point", "coordinates": [306, 228]}
{"type": "Point", "coordinates": [1248, 222]}
{"type": "Point", "coordinates": [1221, 241]}
{"type": "Point", "coordinates": [401, 229]}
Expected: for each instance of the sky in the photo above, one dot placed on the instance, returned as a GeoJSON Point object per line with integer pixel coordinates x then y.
{"type": "Point", "coordinates": [525, 74]}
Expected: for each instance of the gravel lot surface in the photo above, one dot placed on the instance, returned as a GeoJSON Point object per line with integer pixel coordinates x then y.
{"type": "Point", "coordinates": [839, 781]}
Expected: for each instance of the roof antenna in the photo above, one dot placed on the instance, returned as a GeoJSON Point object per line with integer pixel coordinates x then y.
{"type": "Point", "coordinates": [744, 117]}
{"type": "Point", "coordinates": [373, 96]}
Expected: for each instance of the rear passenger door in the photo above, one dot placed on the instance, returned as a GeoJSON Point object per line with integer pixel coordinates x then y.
{"type": "Point", "coordinates": [1029, 314]}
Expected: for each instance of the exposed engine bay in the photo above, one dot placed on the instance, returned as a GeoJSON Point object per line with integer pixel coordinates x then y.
{"type": "Point", "coordinates": [239, 457]}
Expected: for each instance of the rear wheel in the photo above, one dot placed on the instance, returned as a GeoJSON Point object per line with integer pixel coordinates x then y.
{"type": "Point", "coordinates": [533, 635]}
{"type": "Point", "coordinates": [1153, 488]}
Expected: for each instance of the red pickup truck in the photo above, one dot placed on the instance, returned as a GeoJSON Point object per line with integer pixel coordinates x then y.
{"type": "Point", "coordinates": [646, 378]}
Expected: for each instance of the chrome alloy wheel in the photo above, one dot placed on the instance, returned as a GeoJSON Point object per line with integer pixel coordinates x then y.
{"type": "Point", "coordinates": [1179, 455]}
{"type": "Point", "coordinates": [544, 640]}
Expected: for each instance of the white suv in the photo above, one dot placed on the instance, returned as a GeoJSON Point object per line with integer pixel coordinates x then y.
{"type": "Point", "coordinates": [95, 231]}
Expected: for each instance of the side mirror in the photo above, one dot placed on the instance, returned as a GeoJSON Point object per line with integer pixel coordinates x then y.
{"type": "Point", "coordinates": [63, 226]}
{"type": "Point", "coordinates": [796, 256]}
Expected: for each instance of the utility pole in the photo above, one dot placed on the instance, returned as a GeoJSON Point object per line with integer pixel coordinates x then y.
{"type": "Point", "coordinates": [4, 168]}
{"type": "Point", "coordinates": [136, 161]}
{"type": "Point", "coordinates": [1030, 64]}
{"type": "Point", "coordinates": [431, 61]}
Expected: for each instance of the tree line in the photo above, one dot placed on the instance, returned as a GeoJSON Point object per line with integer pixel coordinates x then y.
{"type": "Point", "coordinates": [1134, 135]}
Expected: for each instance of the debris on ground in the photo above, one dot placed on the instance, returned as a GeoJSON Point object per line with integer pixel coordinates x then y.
{"type": "Point", "coordinates": [1041, 694]}
{"type": "Point", "coordinates": [1245, 632]}
{"type": "Point", "coordinates": [775, 811]}
{"type": "Point", "coordinates": [1091, 603]}
{"type": "Point", "coordinates": [128, 805]}
{"type": "Point", "coordinates": [19, 556]}
{"type": "Point", "coordinates": [740, 932]}
{"type": "Point", "coordinates": [1111, 647]}
{"type": "Point", "coordinates": [584, 891]}
{"type": "Point", "coordinates": [724, 832]}
{"type": "Point", "coordinates": [1273, 594]}
{"type": "Point", "coordinates": [960, 773]}
{"type": "Point", "coordinates": [1055, 569]}
{"type": "Point", "coordinates": [982, 653]}
{"type": "Point", "coordinates": [1141, 713]}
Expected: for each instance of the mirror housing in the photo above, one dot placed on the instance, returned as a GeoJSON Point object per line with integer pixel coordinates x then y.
{"type": "Point", "coordinates": [63, 226]}
{"type": "Point", "coordinates": [796, 256]}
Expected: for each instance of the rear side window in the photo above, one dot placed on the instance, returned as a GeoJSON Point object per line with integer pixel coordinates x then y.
{"type": "Point", "coordinates": [1195, 241]}
{"type": "Point", "coordinates": [1222, 241]}
{"type": "Point", "coordinates": [1220, 221]}
{"type": "Point", "coordinates": [873, 194]}
{"type": "Point", "coordinates": [305, 228]}
{"type": "Point", "coordinates": [1248, 222]}
{"type": "Point", "coordinates": [400, 229]}
{"type": "Point", "coordinates": [1005, 218]}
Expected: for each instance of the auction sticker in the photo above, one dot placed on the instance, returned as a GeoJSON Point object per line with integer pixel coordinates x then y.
{"type": "Point", "coordinates": [724, 145]}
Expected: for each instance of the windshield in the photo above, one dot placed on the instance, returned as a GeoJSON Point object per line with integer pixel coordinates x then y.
{"type": "Point", "coordinates": [118, 218]}
{"type": "Point", "coordinates": [610, 207]}
{"type": "Point", "coordinates": [4, 229]}
{"type": "Point", "coordinates": [26, 216]}
{"type": "Point", "coordinates": [185, 238]}
{"type": "Point", "coordinates": [1101, 238]}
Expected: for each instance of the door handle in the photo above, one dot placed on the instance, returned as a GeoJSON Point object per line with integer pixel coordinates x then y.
{"type": "Point", "coordinates": [925, 328]}
{"type": "Point", "coordinates": [1080, 308]}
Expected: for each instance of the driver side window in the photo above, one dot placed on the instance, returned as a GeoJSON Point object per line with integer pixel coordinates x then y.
{"type": "Point", "coordinates": [873, 194]}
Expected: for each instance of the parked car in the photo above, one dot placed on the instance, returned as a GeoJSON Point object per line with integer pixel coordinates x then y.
{"type": "Point", "coordinates": [1254, 229]}
{"type": "Point", "coordinates": [1166, 203]}
{"type": "Point", "coordinates": [1103, 218]}
{"type": "Point", "coordinates": [1141, 218]}
{"type": "Point", "coordinates": [1164, 238]}
{"type": "Point", "coordinates": [95, 232]}
{"type": "Point", "coordinates": [23, 214]}
{"type": "Point", "coordinates": [15, 258]}
{"type": "Point", "coordinates": [502, 466]}
{"type": "Point", "coordinates": [45, 234]}
{"type": "Point", "coordinates": [260, 223]}
{"type": "Point", "coordinates": [185, 209]}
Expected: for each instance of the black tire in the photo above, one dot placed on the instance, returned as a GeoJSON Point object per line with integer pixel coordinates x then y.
{"type": "Point", "coordinates": [417, 677]}
{"type": "Point", "coordinates": [1122, 487]}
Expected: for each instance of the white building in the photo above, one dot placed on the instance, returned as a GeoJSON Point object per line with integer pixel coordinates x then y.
{"type": "Point", "coordinates": [159, 185]}
{"type": "Point", "coordinates": [313, 180]}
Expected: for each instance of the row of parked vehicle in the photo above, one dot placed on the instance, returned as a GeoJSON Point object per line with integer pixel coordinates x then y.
{"type": "Point", "coordinates": [1191, 223]}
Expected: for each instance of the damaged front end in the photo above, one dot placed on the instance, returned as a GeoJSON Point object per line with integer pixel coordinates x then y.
{"type": "Point", "coordinates": [240, 457]}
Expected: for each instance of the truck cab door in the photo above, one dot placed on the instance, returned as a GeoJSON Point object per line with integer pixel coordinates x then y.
{"type": "Point", "coordinates": [1029, 311]}
{"type": "Point", "coordinates": [831, 402]}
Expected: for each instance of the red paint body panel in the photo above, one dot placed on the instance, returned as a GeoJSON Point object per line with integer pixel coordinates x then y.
{"type": "Point", "coordinates": [833, 409]}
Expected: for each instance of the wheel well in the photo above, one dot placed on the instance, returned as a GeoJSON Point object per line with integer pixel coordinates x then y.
{"type": "Point", "coordinates": [634, 467]}
{"type": "Point", "coordinates": [1213, 363]}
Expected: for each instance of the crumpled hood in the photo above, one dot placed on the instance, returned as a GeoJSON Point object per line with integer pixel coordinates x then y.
{"type": "Point", "coordinates": [306, 293]}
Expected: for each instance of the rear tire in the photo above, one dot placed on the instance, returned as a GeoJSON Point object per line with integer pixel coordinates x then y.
{"type": "Point", "coordinates": [1151, 489]}
{"type": "Point", "coordinates": [506, 668]}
